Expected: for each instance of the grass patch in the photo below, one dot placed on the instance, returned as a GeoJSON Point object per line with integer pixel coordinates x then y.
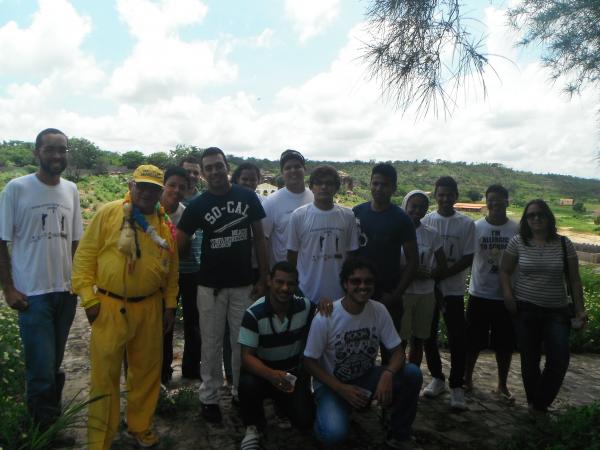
{"type": "Point", "coordinates": [178, 402]}
{"type": "Point", "coordinates": [588, 339]}
{"type": "Point", "coordinates": [578, 428]}
{"type": "Point", "coordinates": [17, 430]}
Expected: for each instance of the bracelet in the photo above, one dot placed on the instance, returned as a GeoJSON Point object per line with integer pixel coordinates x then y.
{"type": "Point", "coordinates": [387, 369]}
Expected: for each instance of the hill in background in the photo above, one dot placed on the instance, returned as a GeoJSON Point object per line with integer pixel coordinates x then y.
{"type": "Point", "coordinates": [88, 159]}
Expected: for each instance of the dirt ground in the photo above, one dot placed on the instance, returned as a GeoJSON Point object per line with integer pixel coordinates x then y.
{"type": "Point", "coordinates": [483, 426]}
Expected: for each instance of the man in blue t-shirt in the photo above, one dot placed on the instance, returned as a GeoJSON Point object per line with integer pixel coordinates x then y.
{"type": "Point", "coordinates": [230, 219]}
{"type": "Point", "coordinates": [386, 230]}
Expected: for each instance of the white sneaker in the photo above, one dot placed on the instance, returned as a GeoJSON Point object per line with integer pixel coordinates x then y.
{"type": "Point", "coordinates": [457, 399]}
{"type": "Point", "coordinates": [251, 439]}
{"type": "Point", "coordinates": [435, 388]}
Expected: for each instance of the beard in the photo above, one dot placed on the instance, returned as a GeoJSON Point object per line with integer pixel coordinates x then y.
{"type": "Point", "coordinates": [53, 168]}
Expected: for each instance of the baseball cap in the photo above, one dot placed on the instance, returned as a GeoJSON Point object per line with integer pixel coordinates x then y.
{"type": "Point", "coordinates": [290, 154]}
{"type": "Point", "coordinates": [147, 173]}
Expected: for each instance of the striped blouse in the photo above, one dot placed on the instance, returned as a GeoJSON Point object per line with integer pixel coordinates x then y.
{"type": "Point", "coordinates": [540, 271]}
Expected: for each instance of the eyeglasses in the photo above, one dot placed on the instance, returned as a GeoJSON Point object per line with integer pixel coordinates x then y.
{"type": "Point", "coordinates": [54, 150]}
{"type": "Point", "coordinates": [536, 215]}
{"type": "Point", "coordinates": [357, 281]}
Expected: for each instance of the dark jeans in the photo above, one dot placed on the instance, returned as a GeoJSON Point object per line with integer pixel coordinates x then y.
{"type": "Point", "coordinates": [535, 326]}
{"type": "Point", "coordinates": [333, 412]}
{"type": "Point", "coordinates": [44, 328]}
{"type": "Point", "coordinates": [190, 365]}
{"type": "Point", "coordinates": [454, 316]}
{"type": "Point", "coordinates": [298, 405]}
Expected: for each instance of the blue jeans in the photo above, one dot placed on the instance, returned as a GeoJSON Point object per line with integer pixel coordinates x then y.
{"type": "Point", "coordinates": [535, 326]}
{"type": "Point", "coordinates": [44, 328]}
{"type": "Point", "coordinates": [333, 412]}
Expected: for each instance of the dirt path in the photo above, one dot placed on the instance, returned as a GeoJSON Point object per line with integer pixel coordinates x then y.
{"type": "Point", "coordinates": [487, 422]}
{"type": "Point", "coordinates": [581, 238]}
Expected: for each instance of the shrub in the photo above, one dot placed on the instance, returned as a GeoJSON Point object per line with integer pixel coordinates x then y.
{"type": "Point", "coordinates": [578, 428]}
{"type": "Point", "coordinates": [17, 430]}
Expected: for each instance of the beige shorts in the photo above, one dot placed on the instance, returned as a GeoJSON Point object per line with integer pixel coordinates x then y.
{"type": "Point", "coordinates": [417, 316]}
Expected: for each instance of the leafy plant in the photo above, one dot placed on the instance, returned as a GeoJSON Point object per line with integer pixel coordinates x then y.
{"type": "Point", "coordinates": [578, 428]}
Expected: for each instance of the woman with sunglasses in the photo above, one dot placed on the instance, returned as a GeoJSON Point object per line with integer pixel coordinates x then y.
{"type": "Point", "coordinates": [538, 301]}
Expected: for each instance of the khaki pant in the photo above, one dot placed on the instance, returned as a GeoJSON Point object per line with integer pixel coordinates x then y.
{"type": "Point", "coordinates": [214, 308]}
{"type": "Point", "coordinates": [136, 328]}
{"type": "Point", "coordinates": [417, 315]}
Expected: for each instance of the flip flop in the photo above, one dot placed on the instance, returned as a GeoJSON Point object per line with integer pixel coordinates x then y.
{"type": "Point", "coordinates": [506, 398]}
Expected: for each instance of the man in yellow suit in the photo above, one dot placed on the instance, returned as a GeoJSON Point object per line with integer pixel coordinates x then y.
{"type": "Point", "coordinates": [126, 265]}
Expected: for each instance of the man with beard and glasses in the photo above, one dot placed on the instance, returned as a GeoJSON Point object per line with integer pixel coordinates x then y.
{"type": "Point", "coordinates": [340, 354]}
{"type": "Point", "coordinates": [41, 217]}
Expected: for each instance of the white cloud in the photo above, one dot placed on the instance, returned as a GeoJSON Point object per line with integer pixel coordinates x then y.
{"type": "Point", "coordinates": [150, 20]}
{"type": "Point", "coordinates": [162, 64]}
{"type": "Point", "coordinates": [310, 17]}
{"type": "Point", "coordinates": [264, 39]}
{"type": "Point", "coordinates": [51, 42]}
{"type": "Point", "coordinates": [156, 103]}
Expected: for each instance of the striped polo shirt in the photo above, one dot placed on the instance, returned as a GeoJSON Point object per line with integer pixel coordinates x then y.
{"type": "Point", "coordinates": [541, 271]}
{"type": "Point", "coordinates": [279, 344]}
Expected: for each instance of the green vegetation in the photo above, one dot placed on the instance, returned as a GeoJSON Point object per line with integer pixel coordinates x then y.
{"type": "Point", "coordinates": [578, 428]}
{"type": "Point", "coordinates": [178, 402]}
{"type": "Point", "coordinates": [17, 431]}
{"type": "Point", "coordinates": [588, 339]}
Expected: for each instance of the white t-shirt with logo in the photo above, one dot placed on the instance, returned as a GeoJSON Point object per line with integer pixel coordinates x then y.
{"type": "Point", "coordinates": [279, 207]}
{"type": "Point", "coordinates": [490, 243]}
{"type": "Point", "coordinates": [458, 235]}
{"type": "Point", "coordinates": [322, 239]}
{"type": "Point", "coordinates": [345, 344]}
{"type": "Point", "coordinates": [428, 242]}
{"type": "Point", "coordinates": [42, 222]}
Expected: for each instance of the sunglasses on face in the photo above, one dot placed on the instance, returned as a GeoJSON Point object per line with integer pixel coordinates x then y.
{"type": "Point", "coordinates": [357, 281]}
{"type": "Point", "coordinates": [535, 215]}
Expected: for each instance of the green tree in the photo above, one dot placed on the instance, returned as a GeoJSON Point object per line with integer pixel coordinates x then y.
{"type": "Point", "coordinates": [411, 41]}
{"type": "Point", "coordinates": [474, 195]}
{"type": "Point", "coordinates": [159, 159]}
{"type": "Point", "coordinates": [84, 155]}
{"type": "Point", "coordinates": [17, 153]}
{"type": "Point", "coordinates": [181, 151]}
{"type": "Point", "coordinates": [132, 159]}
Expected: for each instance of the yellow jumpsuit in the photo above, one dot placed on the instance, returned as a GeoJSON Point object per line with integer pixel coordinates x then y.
{"type": "Point", "coordinates": [121, 325]}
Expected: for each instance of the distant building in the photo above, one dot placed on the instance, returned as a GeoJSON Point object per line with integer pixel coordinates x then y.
{"type": "Point", "coordinates": [566, 202]}
{"type": "Point", "coordinates": [265, 189]}
{"type": "Point", "coordinates": [471, 207]}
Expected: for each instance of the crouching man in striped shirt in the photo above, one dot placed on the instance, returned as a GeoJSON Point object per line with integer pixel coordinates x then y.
{"type": "Point", "coordinates": [273, 335]}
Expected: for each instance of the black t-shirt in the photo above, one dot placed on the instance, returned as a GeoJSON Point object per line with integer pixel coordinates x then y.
{"type": "Point", "coordinates": [382, 234]}
{"type": "Point", "coordinates": [225, 221]}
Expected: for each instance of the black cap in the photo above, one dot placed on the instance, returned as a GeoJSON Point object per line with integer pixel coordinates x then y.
{"type": "Point", "coordinates": [290, 154]}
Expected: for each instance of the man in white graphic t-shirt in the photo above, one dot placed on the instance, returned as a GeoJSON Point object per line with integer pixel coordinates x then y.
{"type": "Point", "coordinates": [340, 354]}
{"type": "Point", "coordinates": [321, 235]}
{"type": "Point", "coordinates": [280, 205]}
{"type": "Point", "coordinates": [40, 215]}
{"type": "Point", "coordinates": [458, 235]}
{"type": "Point", "coordinates": [488, 321]}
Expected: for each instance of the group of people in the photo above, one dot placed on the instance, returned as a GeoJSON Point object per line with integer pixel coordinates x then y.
{"type": "Point", "coordinates": [293, 294]}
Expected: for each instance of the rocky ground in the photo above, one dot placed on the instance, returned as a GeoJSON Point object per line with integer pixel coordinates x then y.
{"type": "Point", "coordinates": [487, 422]}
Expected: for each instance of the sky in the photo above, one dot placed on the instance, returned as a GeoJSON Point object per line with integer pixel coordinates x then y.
{"type": "Point", "coordinates": [257, 77]}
